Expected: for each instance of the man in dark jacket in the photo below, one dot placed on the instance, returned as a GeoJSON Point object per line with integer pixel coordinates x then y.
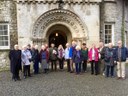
{"type": "Point", "coordinates": [35, 59]}
{"type": "Point", "coordinates": [71, 53]}
{"type": "Point", "coordinates": [53, 56]}
{"type": "Point", "coordinates": [15, 62]}
{"type": "Point", "coordinates": [121, 54]}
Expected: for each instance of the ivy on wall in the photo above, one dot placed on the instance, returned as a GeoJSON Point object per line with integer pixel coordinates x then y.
{"type": "Point", "coordinates": [123, 22]}
{"type": "Point", "coordinates": [122, 32]}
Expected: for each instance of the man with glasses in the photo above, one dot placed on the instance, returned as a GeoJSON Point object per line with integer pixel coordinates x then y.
{"type": "Point", "coordinates": [121, 54]}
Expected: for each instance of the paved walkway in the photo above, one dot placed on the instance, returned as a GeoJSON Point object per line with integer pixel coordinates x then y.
{"type": "Point", "coordinates": [63, 83]}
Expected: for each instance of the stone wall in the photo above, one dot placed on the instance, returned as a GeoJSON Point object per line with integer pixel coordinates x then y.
{"type": "Point", "coordinates": [8, 15]}
{"type": "Point", "coordinates": [4, 61]}
{"type": "Point", "coordinates": [119, 17]}
{"type": "Point", "coordinates": [111, 12]}
{"type": "Point", "coordinates": [102, 13]}
{"type": "Point", "coordinates": [126, 21]}
{"type": "Point", "coordinates": [118, 24]}
{"type": "Point", "coordinates": [88, 13]}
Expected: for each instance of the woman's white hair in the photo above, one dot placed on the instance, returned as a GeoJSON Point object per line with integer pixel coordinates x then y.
{"type": "Point", "coordinates": [15, 45]}
{"type": "Point", "coordinates": [24, 46]}
{"type": "Point", "coordinates": [43, 46]}
{"type": "Point", "coordinates": [78, 47]}
{"type": "Point", "coordinates": [36, 46]}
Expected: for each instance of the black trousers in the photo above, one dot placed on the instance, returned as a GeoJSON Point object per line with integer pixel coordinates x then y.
{"type": "Point", "coordinates": [94, 67]}
{"type": "Point", "coordinates": [36, 67]}
{"type": "Point", "coordinates": [53, 63]}
{"type": "Point", "coordinates": [61, 63]}
{"type": "Point", "coordinates": [109, 70]}
{"type": "Point", "coordinates": [68, 65]}
{"type": "Point", "coordinates": [15, 73]}
{"type": "Point", "coordinates": [26, 70]}
{"type": "Point", "coordinates": [84, 67]}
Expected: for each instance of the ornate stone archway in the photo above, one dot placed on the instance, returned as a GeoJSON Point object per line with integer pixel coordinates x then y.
{"type": "Point", "coordinates": [64, 17]}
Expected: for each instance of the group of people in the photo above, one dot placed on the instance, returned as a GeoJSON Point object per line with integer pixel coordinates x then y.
{"type": "Point", "coordinates": [102, 60]}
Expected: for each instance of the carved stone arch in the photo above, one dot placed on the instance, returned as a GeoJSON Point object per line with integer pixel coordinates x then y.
{"type": "Point", "coordinates": [64, 17]}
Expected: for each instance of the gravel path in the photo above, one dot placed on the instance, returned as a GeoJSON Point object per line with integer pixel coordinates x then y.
{"type": "Point", "coordinates": [62, 83]}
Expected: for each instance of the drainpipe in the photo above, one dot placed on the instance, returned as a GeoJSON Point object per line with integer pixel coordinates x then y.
{"type": "Point", "coordinates": [102, 21]}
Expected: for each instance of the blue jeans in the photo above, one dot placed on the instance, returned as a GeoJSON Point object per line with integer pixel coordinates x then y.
{"type": "Point", "coordinates": [36, 67]}
{"type": "Point", "coordinates": [109, 70]}
{"type": "Point", "coordinates": [78, 67]}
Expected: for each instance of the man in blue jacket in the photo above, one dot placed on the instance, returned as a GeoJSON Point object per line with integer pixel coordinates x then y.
{"type": "Point", "coordinates": [71, 53]}
{"type": "Point", "coordinates": [121, 55]}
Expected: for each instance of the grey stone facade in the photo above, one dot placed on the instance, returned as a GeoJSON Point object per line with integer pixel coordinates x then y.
{"type": "Point", "coordinates": [8, 15]}
{"type": "Point", "coordinates": [110, 12]}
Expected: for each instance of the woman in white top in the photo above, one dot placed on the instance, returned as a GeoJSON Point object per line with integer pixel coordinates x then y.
{"type": "Point", "coordinates": [67, 58]}
{"type": "Point", "coordinates": [26, 56]}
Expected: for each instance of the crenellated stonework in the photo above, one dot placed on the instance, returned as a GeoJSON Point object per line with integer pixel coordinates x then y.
{"type": "Point", "coordinates": [56, 1]}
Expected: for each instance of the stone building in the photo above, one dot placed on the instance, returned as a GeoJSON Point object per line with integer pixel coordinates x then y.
{"type": "Point", "coordinates": [61, 21]}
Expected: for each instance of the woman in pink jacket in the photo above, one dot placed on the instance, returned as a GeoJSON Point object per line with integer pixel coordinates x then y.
{"type": "Point", "coordinates": [93, 55]}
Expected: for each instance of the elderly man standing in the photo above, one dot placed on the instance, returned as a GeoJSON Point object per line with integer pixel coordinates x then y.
{"type": "Point", "coordinates": [15, 62]}
{"type": "Point", "coordinates": [102, 50]}
{"type": "Point", "coordinates": [53, 56]}
{"type": "Point", "coordinates": [121, 54]}
{"type": "Point", "coordinates": [26, 56]}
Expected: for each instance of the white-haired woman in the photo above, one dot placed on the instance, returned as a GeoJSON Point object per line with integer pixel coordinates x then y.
{"type": "Point", "coordinates": [109, 60]}
{"type": "Point", "coordinates": [44, 57]}
{"type": "Point", "coordinates": [67, 58]}
{"type": "Point", "coordinates": [77, 57]}
{"type": "Point", "coordinates": [26, 56]}
{"type": "Point", "coordinates": [61, 56]}
{"type": "Point", "coordinates": [93, 55]}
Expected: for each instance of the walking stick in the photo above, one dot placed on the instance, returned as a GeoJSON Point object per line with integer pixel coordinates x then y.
{"type": "Point", "coordinates": [120, 67]}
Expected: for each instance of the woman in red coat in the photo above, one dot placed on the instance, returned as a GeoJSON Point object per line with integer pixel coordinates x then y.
{"type": "Point", "coordinates": [94, 58]}
{"type": "Point", "coordinates": [44, 57]}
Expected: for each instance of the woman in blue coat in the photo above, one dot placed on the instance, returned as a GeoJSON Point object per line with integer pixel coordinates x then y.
{"type": "Point", "coordinates": [77, 58]}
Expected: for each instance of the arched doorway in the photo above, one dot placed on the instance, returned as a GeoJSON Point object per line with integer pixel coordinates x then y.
{"type": "Point", "coordinates": [65, 22]}
{"type": "Point", "coordinates": [59, 34]}
{"type": "Point", "coordinates": [57, 38]}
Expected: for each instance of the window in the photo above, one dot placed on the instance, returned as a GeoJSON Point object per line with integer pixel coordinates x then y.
{"type": "Point", "coordinates": [109, 33]}
{"type": "Point", "coordinates": [4, 36]}
{"type": "Point", "coordinates": [125, 38]}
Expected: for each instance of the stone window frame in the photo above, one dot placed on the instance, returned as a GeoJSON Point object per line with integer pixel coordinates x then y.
{"type": "Point", "coordinates": [3, 47]}
{"type": "Point", "coordinates": [126, 38]}
{"type": "Point", "coordinates": [110, 35]}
